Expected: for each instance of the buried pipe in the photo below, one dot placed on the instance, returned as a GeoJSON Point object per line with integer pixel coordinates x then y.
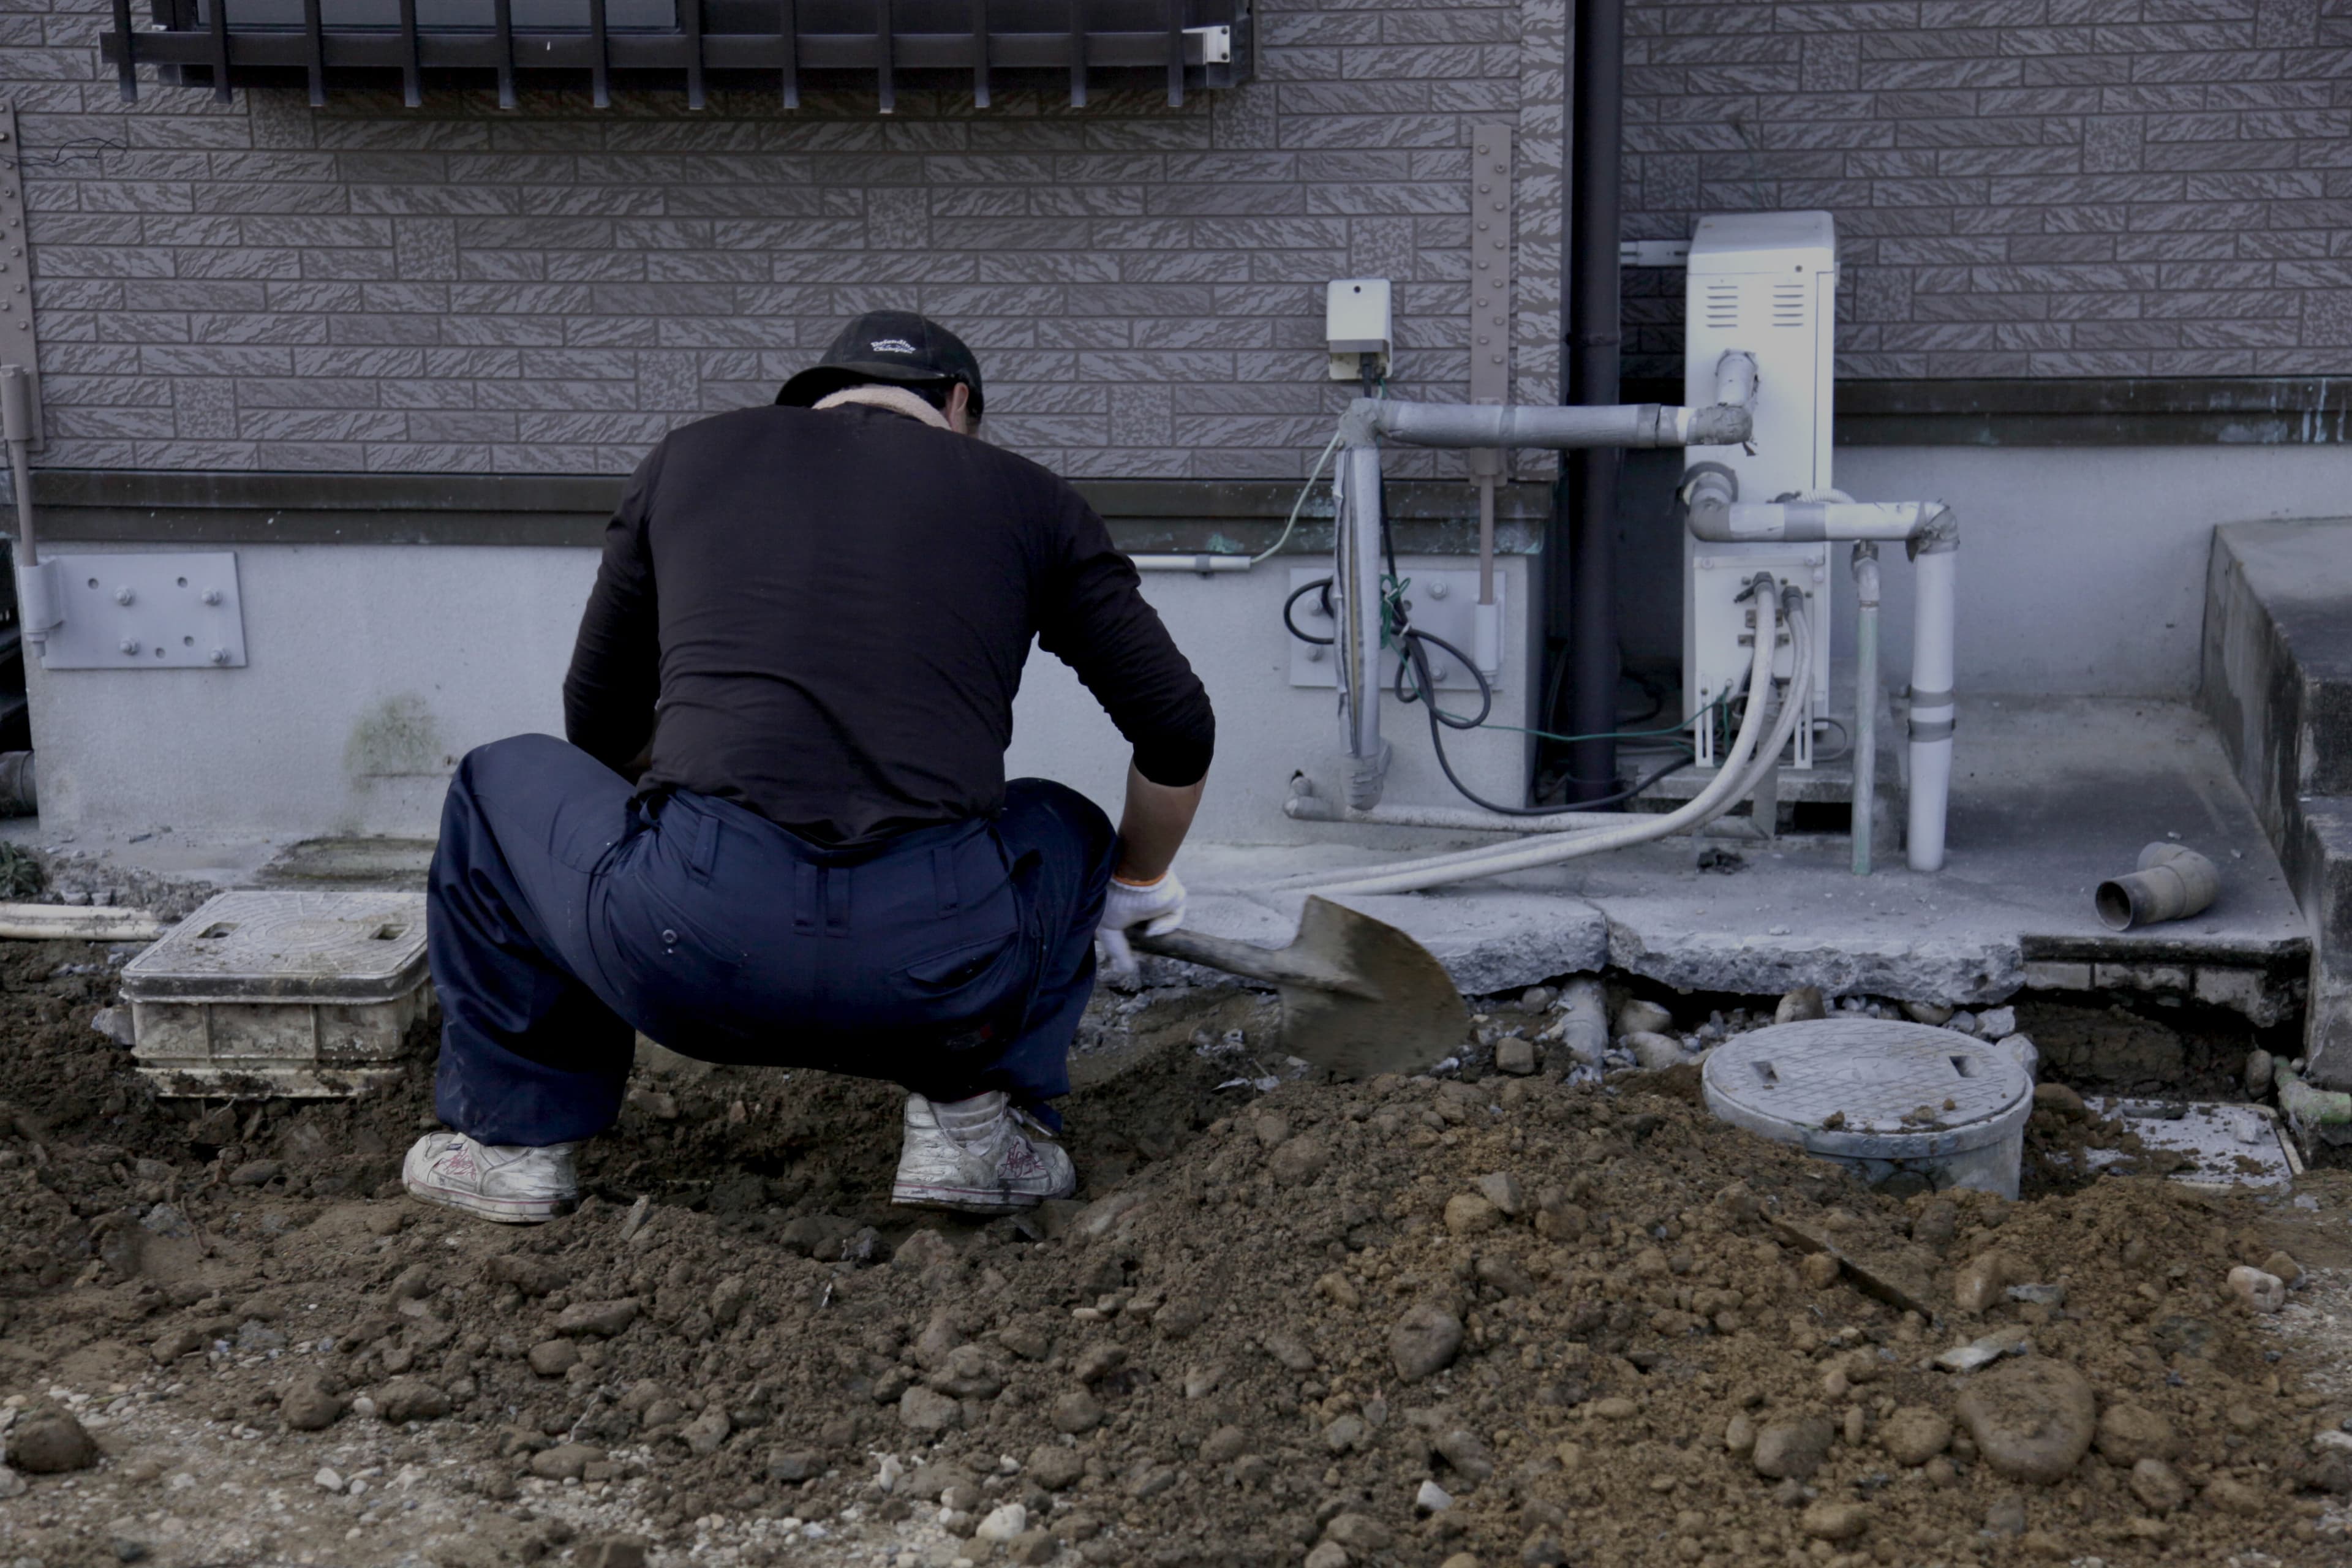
{"type": "Point", "coordinates": [2172, 883]}
{"type": "Point", "coordinates": [2310, 1106]}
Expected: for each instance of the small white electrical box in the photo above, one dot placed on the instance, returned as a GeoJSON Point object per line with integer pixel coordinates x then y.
{"type": "Point", "coordinates": [1356, 321]}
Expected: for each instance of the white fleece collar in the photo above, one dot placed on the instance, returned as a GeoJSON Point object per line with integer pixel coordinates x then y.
{"type": "Point", "coordinates": [894, 399]}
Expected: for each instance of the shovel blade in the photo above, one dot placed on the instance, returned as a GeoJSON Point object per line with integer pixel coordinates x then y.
{"type": "Point", "coordinates": [1415, 1019]}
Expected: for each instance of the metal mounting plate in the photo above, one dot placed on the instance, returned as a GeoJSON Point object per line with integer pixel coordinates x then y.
{"type": "Point", "coordinates": [1442, 604]}
{"type": "Point", "coordinates": [178, 611]}
{"type": "Point", "coordinates": [17, 345]}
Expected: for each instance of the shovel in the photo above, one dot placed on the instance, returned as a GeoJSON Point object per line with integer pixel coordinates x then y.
{"type": "Point", "coordinates": [1358, 996]}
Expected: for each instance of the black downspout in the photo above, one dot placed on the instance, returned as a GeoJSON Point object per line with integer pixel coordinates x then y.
{"type": "Point", "coordinates": [1590, 343]}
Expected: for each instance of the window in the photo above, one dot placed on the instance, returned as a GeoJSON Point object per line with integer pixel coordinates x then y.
{"type": "Point", "coordinates": [666, 44]}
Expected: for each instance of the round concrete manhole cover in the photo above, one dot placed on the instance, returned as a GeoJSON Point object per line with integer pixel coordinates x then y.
{"type": "Point", "coordinates": [1866, 1086]}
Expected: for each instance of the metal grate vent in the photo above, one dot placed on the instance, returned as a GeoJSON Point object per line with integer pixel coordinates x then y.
{"type": "Point", "coordinates": [1788, 304]}
{"type": "Point", "coordinates": [1723, 304]}
{"type": "Point", "coordinates": [977, 45]}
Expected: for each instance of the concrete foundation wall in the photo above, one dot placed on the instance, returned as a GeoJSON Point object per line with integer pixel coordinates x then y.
{"type": "Point", "coordinates": [374, 667]}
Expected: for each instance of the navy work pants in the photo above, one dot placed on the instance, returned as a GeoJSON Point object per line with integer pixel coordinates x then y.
{"type": "Point", "coordinates": [563, 915]}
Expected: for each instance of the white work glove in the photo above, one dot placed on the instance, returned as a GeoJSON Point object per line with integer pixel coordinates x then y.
{"type": "Point", "coordinates": [1158, 906]}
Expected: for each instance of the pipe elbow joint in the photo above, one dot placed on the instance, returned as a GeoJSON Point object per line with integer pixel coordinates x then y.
{"type": "Point", "coordinates": [1709, 490]}
{"type": "Point", "coordinates": [1361, 426]}
{"type": "Point", "coordinates": [1939, 532]}
{"type": "Point", "coordinates": [1724, 425]}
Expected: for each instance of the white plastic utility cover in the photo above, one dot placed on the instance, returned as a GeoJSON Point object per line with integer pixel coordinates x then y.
{"type": "Point", "coordinates": [1356, 323]}
{"type": "Point", "coordinates": [1880, 1095]}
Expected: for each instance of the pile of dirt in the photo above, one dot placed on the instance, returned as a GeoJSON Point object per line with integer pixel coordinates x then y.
{"type": "Point", "coordinates": [1400, 1321]}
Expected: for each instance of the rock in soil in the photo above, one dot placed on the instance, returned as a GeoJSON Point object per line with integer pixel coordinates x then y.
{"type": "Point", "coordinates": [2033, 1419]}
{"type": "Point", "coordinates": [48, 1442]}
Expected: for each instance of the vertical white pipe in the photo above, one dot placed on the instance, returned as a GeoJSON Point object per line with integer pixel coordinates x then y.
{"type": "Point", "coordinates": [1932, 709]}
{"type": "Point", "coordinates": [1359, 629]}
{"type": "Point", "coordinates": [1865, 705]}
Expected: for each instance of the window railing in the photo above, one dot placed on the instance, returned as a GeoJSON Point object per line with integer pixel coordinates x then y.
{"type": "Point", "coordinates": [1187, 44]}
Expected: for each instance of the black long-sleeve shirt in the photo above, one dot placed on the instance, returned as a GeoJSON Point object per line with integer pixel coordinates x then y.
{"type": "Point", "coordinates": [822, 615]}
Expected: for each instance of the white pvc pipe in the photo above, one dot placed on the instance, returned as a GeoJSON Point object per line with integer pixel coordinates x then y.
{"type": "Point", "coordinates": [1865, 820]}
{"type": "Point", "coordinates": [77, 922]}
{"type": "Point", "coordinates": [1932, 709]}
{"type": "Point", "coordinates": [1312, 808]}
{"type": "Point", "coordinates": [1724, 791]}
{"type": "Point", "coordinates": [1205, 564]}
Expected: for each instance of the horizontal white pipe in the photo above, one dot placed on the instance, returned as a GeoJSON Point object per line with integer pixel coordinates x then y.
{"type": "Point", "coordinates": [76, 922]}
{"type": "Point", "coordinates": [1204, 564]}
{"type": "Point", "coordinates": [1734, 775]}
{"type": "Point", "coordinates": [1314, 808]}
{"type": "Point", "coordinates": [1543, 424]}
{"type": "Point", "coordinates": [1807, 521]}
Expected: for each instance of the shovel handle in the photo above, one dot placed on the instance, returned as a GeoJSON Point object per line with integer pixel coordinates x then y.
{"type": "Point", "coordinates": [1275, 966]}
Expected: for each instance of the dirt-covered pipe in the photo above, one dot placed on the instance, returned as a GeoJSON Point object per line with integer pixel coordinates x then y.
{"type": "Point", "coordinates": [2302, 1103]}
{"type": "Point", "coordinates": [2172, 883]}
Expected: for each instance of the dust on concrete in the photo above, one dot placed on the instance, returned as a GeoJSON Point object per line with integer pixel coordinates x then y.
{"type": "Point", "coordinates": [1402, 1322]}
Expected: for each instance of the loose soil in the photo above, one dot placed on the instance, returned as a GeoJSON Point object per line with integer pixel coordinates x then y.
{"type": "Point", "coordinates": [1400, 1323]}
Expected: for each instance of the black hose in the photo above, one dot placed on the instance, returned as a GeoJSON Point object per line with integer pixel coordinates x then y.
{"type": "Point", "coordinates": [1299, 592]}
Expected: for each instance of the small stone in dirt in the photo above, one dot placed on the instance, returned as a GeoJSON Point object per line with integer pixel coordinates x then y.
{"type": "Point", "coordinates": [706, 1431]}
{"type": "Point", "coordinates": [2032, 1420]}
{"type": "Point", "coordinates": [1330, 1555]}
{"type": "Point", "coordinates": [2131, 1433]}
{"type": "Point", "coordinates": [1424, 1341]}
{"type": "Point", "coordinates": [1433, 1498]}
{"type": "Point", "coordinates": [2039, 1295]}
{"type": "Point", "coordinates": [1740, 1435]}
{"type": "Point", "coordinates": [2060, 1100]}
{"type": "Point", "coordinates": [1502, 1189]}
{"type": "Point", "coordinates": [1460, 1560]}
{"type": "Point", "coordinates": [1653, 1052]}
{"type": "Point", "coordinates": [127, 1550]}
{"type": "Point", "coordinates": [1467, 1214]}
{"type": "Point", "coordinates": [532, 1276]}
{"type": "Point", "coordinates": [1985, 1279]}
{"type": "Point", "coordinates": [328, 1479]}
{"type": "Point", "coordinates": [2260, 1290]}
{"type": "Point", "coordinates": [1800, 1005]}
{"type": "Point", "coordinates": [1004, 1524]}
{"type": "Point", "coordinates": [795, 1465]}
{"type": "Point", "coordinates": [602, 1319]}
{"type": "Point", "coordinates": [2007, 1515]}
{"type": "Point", "coordinates": [2158, 1486]}
{"type": "Point", "coordinates": [1937, 1224]}
{"type": "Point", "coordinates": [1915, 1434]}
{"type": "Point", "coordinates": [2283, 1264]}
{"type": "Point", "coordinates": [923, 1410]}
{"type": "Point", "coordinates": [308, 1407]}
{"type": "Point", "coordinates": [1616, 1407]}
{"type": "Point", "coordinates": [1055, 1467]}
{"type": "Point", "coordinates": [1299, 1160]}
{"type": "Point", "coordinates": [1640, 1017]}
{"type": "Point", "coordinates": [1819, 1270]}
{"type": "Point", "coordinates": [1514, 1056]}
{"type": "Point", "coordinates": [2231, 1495]}
{"type": "Point", "coordinates": [1289, 1350]}
{"type": "Point", "coordinates": [1933, 1013]}
{"type": "Point", "coordinates": [1359, 1532]}
{"type": "Point", "coordinates": [1346, 1434]}
{"type": "Point", "coordinates": [1791, 1450]}
{"type": "Point", "coordinates": [178, 1342]}
{"type": "Point", "coordinates": [613, 1552]}
{"type": "Point", "coordinates": [410, 1399]}
{"type": "Point", "coordinates": [1997, 1023]}
{"type": "Point", "coordinates": [1036, 1546]}
{"type": "Point", "coordinates": [564, 1462]}
{"type": "Point", "coordinates": [553, 1358]}
{"type": "Point", "coordinates": [1827, 1521]}
{"type": "Point", "coordinates": [47, 1441]}
{"type": "Point", "coordinates": [922, 1250]}
{"type": "Point", "coordinates": [1466, 1452]}
{"type": "Point", "coordinates": [1076, 1411]}
{"type": "Point", "coordinates": [254, 1173]}
{"type": "Point", "coordinates": [2259, 1067]}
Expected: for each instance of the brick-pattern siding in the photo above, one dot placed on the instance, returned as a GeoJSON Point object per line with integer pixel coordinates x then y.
{"type": "Point", "coordinates": [267, 286]}
{"type": "Point", "coordinates": [2022, 187]}
{"type": "Point", "coordinates": [2029, 187]}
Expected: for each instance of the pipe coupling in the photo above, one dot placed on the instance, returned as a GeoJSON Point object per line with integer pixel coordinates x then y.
{"type": "Point", "coordinates": [1721, 425]}
{"type": "Point", "coordinates": [1938, 530]}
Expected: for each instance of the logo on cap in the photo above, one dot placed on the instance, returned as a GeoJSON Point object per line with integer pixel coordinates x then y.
{"type": "Point", "coordinates": [891, 346]}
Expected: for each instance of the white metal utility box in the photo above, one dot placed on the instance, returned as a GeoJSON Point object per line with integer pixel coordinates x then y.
{"type": "Point", "coordinates": [309, 994]}
{"type": "Point", "coordinates": [1764, 285]}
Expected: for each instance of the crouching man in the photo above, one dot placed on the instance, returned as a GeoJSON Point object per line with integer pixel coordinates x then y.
{"type": "Point", "coordinates": [816, 616]}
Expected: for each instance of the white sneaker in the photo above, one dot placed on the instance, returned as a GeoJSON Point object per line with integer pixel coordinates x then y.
{"type": "Point", "coordinates": [512, 1183]}
{"type": "Point", "coordinates": [982, 1155]}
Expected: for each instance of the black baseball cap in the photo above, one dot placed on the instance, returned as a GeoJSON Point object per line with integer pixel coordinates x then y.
{"type": "Point", "coordinates": [887, 345]}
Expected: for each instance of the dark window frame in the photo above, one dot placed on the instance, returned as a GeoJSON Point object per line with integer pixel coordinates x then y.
{"type": "Point", "coordinates": [982, 45]}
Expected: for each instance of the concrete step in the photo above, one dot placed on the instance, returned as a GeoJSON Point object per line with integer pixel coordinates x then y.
{"type": "Point", "coordinates": [2278, 686]}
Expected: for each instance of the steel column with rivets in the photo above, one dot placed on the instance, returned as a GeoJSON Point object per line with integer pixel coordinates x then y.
{"type": "Point", "coordinates": [17, 342]}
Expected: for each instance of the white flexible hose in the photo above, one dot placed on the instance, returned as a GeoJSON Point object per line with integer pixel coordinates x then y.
{"type": "Point", "coordinates": [1730, 782]}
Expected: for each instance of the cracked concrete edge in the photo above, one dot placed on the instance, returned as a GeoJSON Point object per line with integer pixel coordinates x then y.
{"type": "Point", "coordinates": [1979, 973]}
